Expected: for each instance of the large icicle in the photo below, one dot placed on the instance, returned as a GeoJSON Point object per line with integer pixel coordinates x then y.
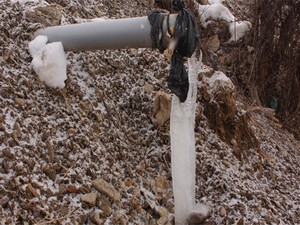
{"type": "Point", "coordinates": [183, 147]}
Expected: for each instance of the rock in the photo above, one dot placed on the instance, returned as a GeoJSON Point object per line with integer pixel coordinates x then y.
{"type": "Point", "coordinates": [4, 200]}
{"type": "Point", "coordinates": [105, 206]}
{"type": "Point", "coordinates": [162, 183]}
{"type": "Point", "coordinates": [119, 219]}
{"type": "Point", "coordinates": [199, 214]}
{"type": "Point", "coordinates": [213, 43]}
{"type": "Point", "coordinates": [96, 218]}
{"type": "Point", "coordinates": [50, 172]}
{"type": "Point", "coordinates": [2, 127]}
{"type": "Point", "coordinates": [7, 153]}
{"type": "Point", "coordinates": [51, 151]}
{"type": "Point", "coordinates": [104, 187]}
{"type": "Point", "coordinates": [47, 15]}
{"type": "Point", "coordinates": [20, 102]}
{"type": "Point", "coordinates": [162, 211]}
{"type": "Point", "coordinates": [32, 191]}
{"type": "Point", "coordinates": [222, 211]}
{"type": "Point", "coordinates": [89, 198]}
{"type": "Point", "coordinates": [203, 2]}
{"type": "Point", "coordinates": [115, 64]}
{"type": "Point", "coordinates": [162, 221]}
{"type": "Point", "coordinates": [62, 189]}
{"type": "Point", "coordinates": [15, 136]}
{"type": "Point", "coordinates": [148, 88]}
{"type": "Point", "coordinates": [162, 108]}
{"type": "Point", "coordinates": [72, 189]}
{"type": "Point", "coordinates": [84, 189]}
{"type": "Point", "coordinates": [240, 221]}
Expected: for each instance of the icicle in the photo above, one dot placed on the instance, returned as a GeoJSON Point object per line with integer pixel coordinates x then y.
{"type": "Point", "coordinates": [183, 147]}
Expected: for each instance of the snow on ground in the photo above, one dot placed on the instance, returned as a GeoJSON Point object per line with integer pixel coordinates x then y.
{"type": "Point", "coordinates": [55, 143]}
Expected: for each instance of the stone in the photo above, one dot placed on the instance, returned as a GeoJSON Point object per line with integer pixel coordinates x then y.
{"type": "Point", "coordinates": [32, 191]}
{"type": "Point", "coordinates": [162, 183]}
{"type": "Point", "coordinates": [7, 153]}
{"type": "Point", "coordinates": [162, 221]}
{"type": "Point", "coordinates": [46, 15]}
{"type": "Point", "coordinates": [105, 206]}
{"type": "Point", "coordinates": [199, 214]}
{"type": "Point", "coordinates": [162, 108]}
{"type": "Point", "coordinates": [50, 172]}
{"type": "Point", "coordinates": [115, 64]}
{"type": "Point", "coordinates": [213, 43]}
{"type": "Point", "coordinates": [51, 151]}
{"type": "Point", "coordinates": [89, 198]}
{"type": "Point", "coordinates": [203, 2]}
{"type": "Point", "coordinates": [222, 211]}
{"type": "Point", "coordinates": [96, 218]}
{"type": "Point", "coordinates": [162, 211]}
{"type": "Point", "coordinates": [104, 187]}
{"type": "Point", "coordinates": [20, 102]}
{"type": "Point", "coordinates": [148, 88]}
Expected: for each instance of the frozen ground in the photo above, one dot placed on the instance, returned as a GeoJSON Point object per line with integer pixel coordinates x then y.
{"type": "Point", "coordinates": [58, 145]}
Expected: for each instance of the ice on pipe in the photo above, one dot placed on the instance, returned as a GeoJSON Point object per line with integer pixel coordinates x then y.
{"type": "Point", "coordinates": [183, 156]}
{"type": "Point", "coordinates": [49, 61]}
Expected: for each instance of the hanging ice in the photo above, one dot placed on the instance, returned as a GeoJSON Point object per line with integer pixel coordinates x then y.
{"type": "Point", "coordinates": [183, 147]}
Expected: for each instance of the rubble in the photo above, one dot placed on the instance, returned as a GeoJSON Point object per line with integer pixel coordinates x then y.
{"type": "Point", "coordinates": [97, 137]}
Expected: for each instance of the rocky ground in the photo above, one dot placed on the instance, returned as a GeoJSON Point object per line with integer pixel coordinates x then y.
{"type": "Point", "coordinates": [93, 152]}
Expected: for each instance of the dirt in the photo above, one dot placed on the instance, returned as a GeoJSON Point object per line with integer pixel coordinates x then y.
{"type": "Point", "coordinates": [93, 152]}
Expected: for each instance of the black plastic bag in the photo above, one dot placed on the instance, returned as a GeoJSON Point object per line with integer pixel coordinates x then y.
{"type": "Point", "coordinates": [186, 35]}
{"type": "Point", "coordinates": [186, 38]}
{"type": "Point", "coordinates": [178, 80]}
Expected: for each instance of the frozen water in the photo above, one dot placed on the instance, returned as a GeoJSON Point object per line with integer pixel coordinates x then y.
{"type": "Point", "coordinates": [183, 148]}
{"type": "Point", "coordinates": [49, 61]}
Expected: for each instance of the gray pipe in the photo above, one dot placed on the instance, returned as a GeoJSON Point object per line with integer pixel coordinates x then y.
{"type": "Point", "coordinates": [108, 34]}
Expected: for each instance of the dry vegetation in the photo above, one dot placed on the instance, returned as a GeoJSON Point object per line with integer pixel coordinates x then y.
{"type": "Point", "coordinates": [276, 68]}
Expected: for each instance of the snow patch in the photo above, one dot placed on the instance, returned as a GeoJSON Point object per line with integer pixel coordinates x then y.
{"type": "Point", "coordinates": [49, 61]}
{"type": "Point", "coordinates": [217, 80]}
{"type": "Point", "coordinates": [217, 11]}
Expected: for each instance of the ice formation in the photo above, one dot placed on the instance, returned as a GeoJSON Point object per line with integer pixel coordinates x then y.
{"type": "Point", "coordinates": [183, 156]}
{"type": "Point", "coordinates": [49, 61]}
{"type": "Point", "coordinates": [216, 11]}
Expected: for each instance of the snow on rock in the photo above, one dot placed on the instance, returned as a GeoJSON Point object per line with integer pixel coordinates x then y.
{"type": "Point", "coordinates": [219, 81]}
{"type": "Point", "coordinates": [217, 11]}
{"type": "Point", "coordinates": [214, 11]}
{"type": "Point", "coordinates": [238, 30]}
{"type": "Point", "coordinates": [49, 61]}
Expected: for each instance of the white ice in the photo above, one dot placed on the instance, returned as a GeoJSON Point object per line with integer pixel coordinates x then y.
{"type": "Point", "coordinates": [49, 61]}
{"type": "Point", "coordinates": [183, 156]}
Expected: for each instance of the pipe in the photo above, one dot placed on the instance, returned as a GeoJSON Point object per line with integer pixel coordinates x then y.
{"type": "Point", "coordinates": [106, 34]}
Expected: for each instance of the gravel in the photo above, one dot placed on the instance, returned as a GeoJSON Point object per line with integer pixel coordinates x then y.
{"type": "Point", "coordinates": [92, 152]}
